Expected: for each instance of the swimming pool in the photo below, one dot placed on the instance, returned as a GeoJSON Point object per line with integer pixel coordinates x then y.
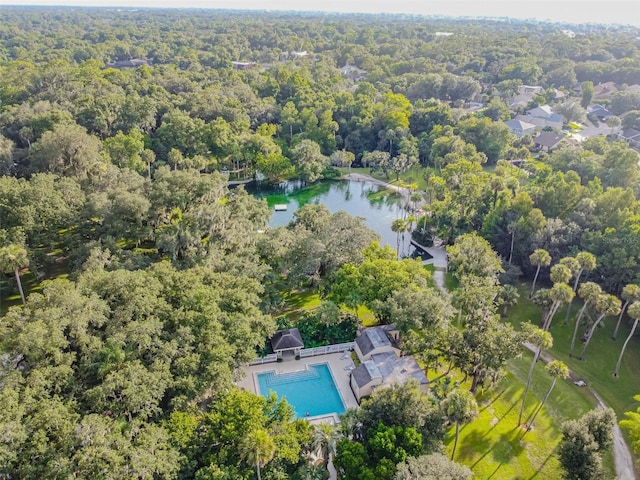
{"type": "Point", "coordinates": [311, 392]}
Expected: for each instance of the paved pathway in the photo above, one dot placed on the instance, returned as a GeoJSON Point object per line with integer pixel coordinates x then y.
{"type": "Point", "coordinates": [621, 455]}
{"type": "Point", "coordinates": [359, 177]}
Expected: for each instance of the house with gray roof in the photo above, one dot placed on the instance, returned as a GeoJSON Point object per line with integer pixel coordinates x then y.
{"type": "Point", "coordinates": [131, 63]}
{"type": "Point", "coordinates": [547, 141]}
{"type": "Point", "coordinates": [382, 370]}
{"type": "Point", "coordinates": [599, 111]}
{"type": "Point", "coordinates": [631, 136]}
{"type": "Point", "coordinates": [520, 128]}
{"type": "Point", "coordinates": [376, 340]}
{"type": "Point", "coordinates": [542, 117]}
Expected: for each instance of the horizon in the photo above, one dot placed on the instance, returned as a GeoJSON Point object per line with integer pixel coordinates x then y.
{"type": "Point", "coordinates": [575, 12]}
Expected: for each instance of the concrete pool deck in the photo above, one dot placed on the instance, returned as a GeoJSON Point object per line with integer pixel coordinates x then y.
{"type": "Point", "coordinates": [337, 364]}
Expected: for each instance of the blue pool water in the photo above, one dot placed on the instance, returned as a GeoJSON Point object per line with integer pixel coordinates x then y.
{"type": "Point", "coordinates": [312, 391]}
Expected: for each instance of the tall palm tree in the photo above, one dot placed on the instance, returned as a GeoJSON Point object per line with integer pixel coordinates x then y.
{"type": "Point", "coordinates": [542, 340]}
{"type": "Point", "coordinates": [556, 369]}
{"type": "Point", "coordinates": [630, 294]}
{"type": "Point", "coordinates": [585, 261]}
{"type": "Point", "coordinates": [539, 258]}
{"type": "Point", "coordinates": [605, 305]}
{"type": "Point", "coordinates": [509, 296]}
{"type": "Point", "coordinates": [589, 292]}
{"type": "Point", "coordinates": [257, 448]}
{"type": "Point", "coordinates": [560, 273]}
{"type": "Point", "coordinates": [574, 267]}
{"type": "Point", "coordinates": [13, 257]}
{"type": "Point", "coordinates": [542, 298]}
{"type": "Point", "coordinates": [560, 293]}
{"type": "Point", "coordinates": [460, 407]}
{"type": "Point", "coordinates": [325, 438]}
{"type": "Point", "coordinates": [634, 312]}
{"type": "Point", "coordinates": [399, 226]}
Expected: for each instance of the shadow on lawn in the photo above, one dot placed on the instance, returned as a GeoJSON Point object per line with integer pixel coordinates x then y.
{"type": "Point", "coordinates": [546, 460]}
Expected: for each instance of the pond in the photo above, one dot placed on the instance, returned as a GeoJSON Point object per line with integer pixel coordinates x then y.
{"type": "Point", "coordinates": [377, 205]}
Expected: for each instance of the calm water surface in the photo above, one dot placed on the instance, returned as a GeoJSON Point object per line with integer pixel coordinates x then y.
{"type": "Point", "coordinates": [377, 205]}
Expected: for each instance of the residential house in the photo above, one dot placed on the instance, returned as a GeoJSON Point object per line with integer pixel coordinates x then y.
{"type": "Point", "coordinates": [242, 65]}
{"type": "Point", "coordinates": [600, 112]}
{"type": "Point", "coordinates": [131, 63]}
{"type": "Point", "coordinates": [604, 91]}
{"type": "Point", "coordinates": [352, 72]}
{"type": "Point", "coordinates": [520, 128]}
{"type": "Point", "coordinates": [631, 136]}
{"type": "Point", "coordinates": [384, 369]}
{"type": "Point", "coordinates": [376, 340]}
{"type": "Point", "coordinates": [547, 141]}
{"type": "Point", "coordinates": [544, 117]}
{"type": "Point", "coordinates": [525, 95]}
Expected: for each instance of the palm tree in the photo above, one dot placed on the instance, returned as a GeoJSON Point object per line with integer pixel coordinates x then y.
{"type": "Point", "coordinates": [634, 312]}
{"type": "Point", "coordinates": [399, 226]}
{"type": "Point", "coordinates": [509, 296]}
{"type": "Point", "coordinates": [13, 257]}
{"type": "Point", "coordinates": [257, 448]}
{"type": "Point", "coordinates": [556, 369]}
{"type": "Point", "coordinates": [542, 340]}
{"type": "Point", "coordinates": [585, 261]}
{"type": "Point", "coordinates": [542, 298]}
{"type": "Point", "coordinates": [560, 273]}
{"type": "Point", "coordinates": [605, 305]}
{"type": "Point", "coordinates": [325, 438]}
{"type": "Point", "coordinates": [459, 406]}
{"type": "Point", "coordinates": [539, 258]}
{"type": "Point", "coordinates": [574, 267]}
{"type": "Point", "coordinates": [560, 293]}
{"type": "Point", "coordinates": [630, 294]}
{"type": "Point", "coordinates": [512, 228]}
{"type": "Point", "coordinates": [589, 292]}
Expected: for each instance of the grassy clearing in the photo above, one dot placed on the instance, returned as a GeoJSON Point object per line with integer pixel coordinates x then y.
{"type": "Point", "coordinates": [600, 358]}
{"type": "Point", "coordinates": [493, 446]}
{"type": "Point", "coordinates": [300, 302]}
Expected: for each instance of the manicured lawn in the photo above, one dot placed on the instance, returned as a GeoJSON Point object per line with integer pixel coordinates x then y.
{"type": "Point", "coordinates": [600, 358]}
{"type": "Point", "coordinates": [493, 446]}
{"type": "Point", "coordinates": [297, 303]}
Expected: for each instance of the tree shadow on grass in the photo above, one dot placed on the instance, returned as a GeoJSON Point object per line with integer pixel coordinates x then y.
{"type": "Point", "coordinates": [546, 460]}
{"type": "Point", "coordinates": [499, 420]}
{"type": "Point", "coordinates": [503, 450]}
{"type": "Point", "coordinates": [508, 447]}
{"type": "Point", "coordinates": [491, 400]}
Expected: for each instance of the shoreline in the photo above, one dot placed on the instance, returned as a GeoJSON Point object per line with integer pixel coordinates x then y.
{"type": "Point", "coordinates": [361, 177]}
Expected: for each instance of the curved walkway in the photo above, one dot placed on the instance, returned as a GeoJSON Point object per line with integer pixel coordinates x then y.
{"type": "Point", "coordinates": [624, 463]}
{"type": "Point", "coordinates": [360, 177]}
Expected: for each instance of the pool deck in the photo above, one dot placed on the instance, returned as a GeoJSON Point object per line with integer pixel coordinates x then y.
{"type": "Point", "coordinates": [337, 364]}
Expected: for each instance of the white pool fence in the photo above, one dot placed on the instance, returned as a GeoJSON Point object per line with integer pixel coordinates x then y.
{"type": "Point", "coordinates": [309, 352]}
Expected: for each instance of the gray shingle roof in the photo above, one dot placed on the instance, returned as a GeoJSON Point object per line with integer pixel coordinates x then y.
{"type": "Point", "coordinates": [548, 139]}
{"type": "Point", "coordinates": [286, 339]}
{"type": "Point", "coordinates": [372, 338]}
{"type": "Point", "coordinates": [390, 368]}
{"type": "Point", "coordinates": [365, 372]}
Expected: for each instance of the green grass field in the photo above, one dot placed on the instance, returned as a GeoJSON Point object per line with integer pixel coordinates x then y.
{"type": "Point", "coordinates": [600, 358]}
{"type": "Point", "coordinates": [493, 446]}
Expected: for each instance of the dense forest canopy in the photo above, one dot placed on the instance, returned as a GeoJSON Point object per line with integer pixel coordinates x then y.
{"type": "Point", "coordinates": [149, 282]}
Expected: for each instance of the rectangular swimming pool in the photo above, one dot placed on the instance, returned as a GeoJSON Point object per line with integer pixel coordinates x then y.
{"type": "Point", "coordinates": [311, 392]}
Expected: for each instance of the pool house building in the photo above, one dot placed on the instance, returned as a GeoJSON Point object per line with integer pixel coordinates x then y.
{"type": "Point", "coordinates": [287, 343]}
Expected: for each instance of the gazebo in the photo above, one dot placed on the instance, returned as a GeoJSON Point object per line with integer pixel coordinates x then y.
{"type": "Point", "coordinates": [288, 340]}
